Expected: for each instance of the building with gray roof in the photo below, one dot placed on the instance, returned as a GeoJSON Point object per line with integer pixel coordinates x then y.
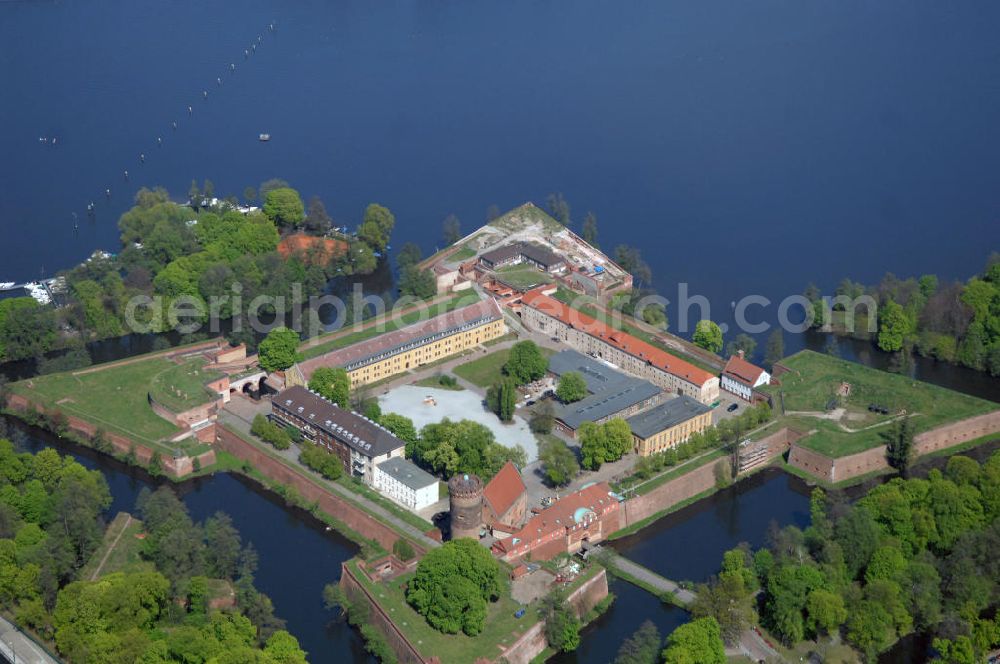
{"type": "Point", "coordinates": [669, 424]}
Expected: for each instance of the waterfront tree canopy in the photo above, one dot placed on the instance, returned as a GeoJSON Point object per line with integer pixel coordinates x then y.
{"type": "Point", "coordinates": [376, 227]}
{"type": "Point", "coordinates": [696, 642]}
{"type": "Point", "coordinates": [453, 585]}
{"type": "Point", "coordinates": [955, 322]}
{"type": "Point", "coordinates": [155, 609]}
{"type": "Point", "coordinates": [526, 362]}
{"type": "Point", "coordinates": [283, 206]}
{"type": "Point", "coordinates": [172, 254]}
{"type": "Point", "coordinates": [708, 335]}
{"type": "Point", "coordinates": [913, 555]}
{"type": "Point", "coordinates": [278, 350]}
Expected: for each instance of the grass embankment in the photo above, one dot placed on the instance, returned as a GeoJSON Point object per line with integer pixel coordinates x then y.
{"type": "Point", "coordinates": [488, 369]}
{"type": "Point", "coordinates": [120, 551]}
{"type": "Point", "coordinates": [371, 328]}
{"type": "Point", "coordinates": [115, 398]}
{"type": "Point", "coordinates": [400, 512]}
{"type": "Point", "coordinates": [588, 306]}
{"type": "Point", "coordinates": [812, 385]}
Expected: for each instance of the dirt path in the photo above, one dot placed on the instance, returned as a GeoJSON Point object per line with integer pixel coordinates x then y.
{"type": "Point", "coordinates": [100, 566]}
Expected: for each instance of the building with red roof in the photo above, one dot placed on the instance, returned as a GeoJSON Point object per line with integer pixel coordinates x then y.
{"type": "Point", "coordinates": [588, 515]}
{"type": "Point", "coordinates": [589, 335]}
{"type": "Point", "coordinates": [505, 500]}
{"type": "Point", "coordinates": [741, 377]}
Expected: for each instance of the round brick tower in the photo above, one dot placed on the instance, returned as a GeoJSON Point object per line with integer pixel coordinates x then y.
{"type": "Point", "coordinates": [466, 495]}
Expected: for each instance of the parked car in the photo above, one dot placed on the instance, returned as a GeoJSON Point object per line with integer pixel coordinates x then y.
{"type": "Point", "coordinates": [732, 407]}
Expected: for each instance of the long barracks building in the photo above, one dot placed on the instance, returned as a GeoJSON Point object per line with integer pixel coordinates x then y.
{"type": "Point", "coordinates": [588, 335]}
{"type": "Point", "coordinates": [409, 347]}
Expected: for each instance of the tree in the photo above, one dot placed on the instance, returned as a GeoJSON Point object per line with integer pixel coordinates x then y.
{"type": "Point", "coordinates": [572, 387]}
{"type": "Point", "coordinates": [899, 444]}
{"type": "Point", "coordinates": [417, 283]}
{"type": "Point", "coordinates": [376, 227]}
{"type": "Point", "coordinates": [333, 384]}
{"type": "Point", "coordinates": [451, 228]}
{"type": "Point", "coordinates": [249, 194]}
{"type": "Point", "coordinates": [743, 342]}
{"type": "Point", "coordinates": [194, 195]}
{"type": "Point", "coordinates": [409, 255]}
{"type": "Point", "coordinates": [893, 326]}
{"type": "Point", "coordinates": [707, 335]}
{"type": "Point", "coordinates": [559, 464]}
{"type": "Point", "coordinates": [696, 642]}
{"type": "Point", "coordinates": [643, 647]}
{"type": "Point", "coordinates": [501, 398]}
{"type": "Point", "coordinates": [562, 627]}
{"type": "Point", "coordinates": [589, 232]}
{"type": "Point", "coordinates": [542, 417]}
{"type": "Point", "coordinates": [317, 220]}
{"type": "Point", "coordinates": [268, 186]}
{"type": "Point", "coordinates": [155, 467]}
{"type": "Point", "coordinates": [283, 206]}
{"type": "Point", "coordinates": [453, 584]}
{"type": "Point", "coordinates": [526, 362]}
{"type": "Point", "coordinates": [593, 445]}
{"type": "Point", "coordinates": [403, 550]}
{"type": "Point", "coordinates": [826, 612]}
{"type": "Point", "coordinates": [401, 427]}
{"type": "Point", "coordinates": [278, 350]}
{"type": "Point", "coordinates": [630, 259]}
{"type": "Point", "coordinates": [558, 208]}
{"type": "Point", "coordinates": [775, 348]}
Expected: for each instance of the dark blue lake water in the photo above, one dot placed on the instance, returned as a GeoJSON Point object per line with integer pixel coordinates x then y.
{"type": "Point", "coordinates": [746, 147]}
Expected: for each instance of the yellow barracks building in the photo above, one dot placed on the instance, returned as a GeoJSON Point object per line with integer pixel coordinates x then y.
{"type": "Point", "coordinates": [409, 347]}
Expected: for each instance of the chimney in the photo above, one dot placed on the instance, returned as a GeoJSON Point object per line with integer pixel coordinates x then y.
{"type": "Point", "coordinates": [740, 353]}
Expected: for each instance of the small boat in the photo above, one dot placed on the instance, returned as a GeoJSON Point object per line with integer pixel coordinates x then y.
{"type": "Point", "coordinates": [264, 138]}
{"type": "Point", "coordinates": [7, 285]}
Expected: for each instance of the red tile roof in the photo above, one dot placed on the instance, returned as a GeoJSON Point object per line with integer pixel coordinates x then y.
{"type": "Point", "coordinates": [505, 488]}
{"type": "Point", "coordinates": [621, 340]}
{"type": "Point", "coordinates": [577, 508]}
{"type": "Point", "coordinates": [739, 369]}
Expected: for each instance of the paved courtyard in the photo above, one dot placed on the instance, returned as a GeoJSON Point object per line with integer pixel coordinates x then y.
{"type": "Point", "coordinates": [411, 401]}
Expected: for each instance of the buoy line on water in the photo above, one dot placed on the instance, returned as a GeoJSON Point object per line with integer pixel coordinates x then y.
{"type": "Point", "coordinates": [91, 208]}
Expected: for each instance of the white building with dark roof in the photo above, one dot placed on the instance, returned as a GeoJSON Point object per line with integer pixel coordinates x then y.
{"type": "Point", "coordinates": [406, 484]}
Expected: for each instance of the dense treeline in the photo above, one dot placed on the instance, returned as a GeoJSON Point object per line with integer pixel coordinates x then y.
{"type": "Point", "coordinates": [955, 322]}
{"type": "Point", "coordinates": [202, 252]}
{"type": "Point", "coordinates": [51, 526]}
{"type": "Point", "coordinates": [912, 555]}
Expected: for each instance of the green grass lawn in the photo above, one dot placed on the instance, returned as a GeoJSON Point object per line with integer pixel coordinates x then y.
{"type": "Point", "coordinates": [523, 276]}
{"type": "Point", "coordinates": [487, 369]}
{"type": "Point", "coordinates": [465, 253]}
{"type": "Point", "coordinates": [328, 342]}
{"type": "Point", "coordinates": [813, 383]}
{"type": "Point", "coordinates": [113, 398]}
{"type": "Point", "coordinates": [182, 386]}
